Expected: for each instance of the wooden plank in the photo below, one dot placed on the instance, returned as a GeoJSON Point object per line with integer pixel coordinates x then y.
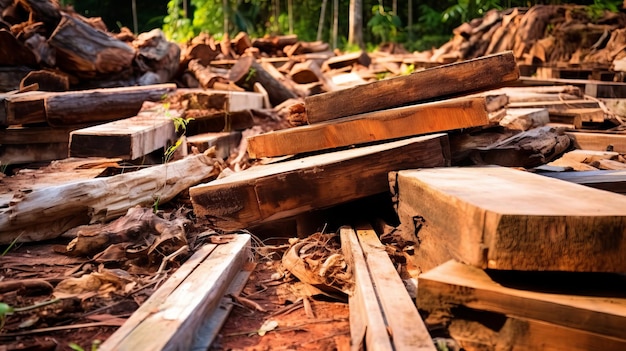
{"type": "Point", "coordinates": [367, 320]}
{"type": "Point", "coordinates": [594, 115]}
{"type": "Point", "coordinates": [455, 284]}
{"type": "Point", "coordinates": [172, 322]}
{"type": "Point", "coordinates": [279, 190]}
{"type": "Point", "coordinates": [593, 88]}
{"type": "Point", "coordinates": [24, 108]}
{"type": "Point", "coordinates": [374, 126]}
{"type": "Point", "coordinates": [11, 154]}
{"type": "Point", "coordinates": [403, 320]}
{"type": "Point", "coordinates": [17, 135]}
{"type": "Point", "coordinates": [599, 141]}
{"type": "Point", "coordinates": [99, 105]}
{"type": "Point", "coordinates": [614, 181]}
{"type": "Point", "coordinates": [128, 138]}
{"type": "Point", "coordinates": [212, 325]}
{"type": "Point", "coordinates": [464, 77]}
{"type": "Point", "coordinates": [502, 218]}
{"type": "Point", "coordinates": [556, 105]}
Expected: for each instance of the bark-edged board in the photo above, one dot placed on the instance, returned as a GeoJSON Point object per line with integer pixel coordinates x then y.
{"type": "Point", "coordinates": [455, 284]}
{"type": "Point", "coordinates": [128, 138]}
{"type": "Point", "coordinates": [505, 219]}
{"type": "Point", "coordinates": [370, 127]}
{"type": "Point", "coordinates": [464, 77]}
{"type": "Point", "coordinates": [280, 190]}
{"type": "Point", "coordinates": [170, 320]}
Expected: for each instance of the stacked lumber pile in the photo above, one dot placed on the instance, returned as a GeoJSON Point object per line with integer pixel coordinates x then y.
{"type": "Point", "coordinates": [518, 261]}
{"type": "Point", "coordinates": [553, 35]}
{"type": "Point", "coordinates": [42, 43]}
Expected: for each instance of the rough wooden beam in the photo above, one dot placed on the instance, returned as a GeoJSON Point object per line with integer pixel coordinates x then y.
{"type": "Point", "coordinates": [375, 126]}
{"type": "Point", "coordinates": [172, 316]}
{"type": "Point", "coordinates": [470, 76]}
{"type": "Point", "coordinates": [270, 192]}
{"type": "Point", "coordinates": [128, 138]}
{"type": "Point", "coordinates": [45, 213]}
{"type": "Point", "coordinates": [454, 284]}
{"type": "Point", "coordinates": [503, 219]}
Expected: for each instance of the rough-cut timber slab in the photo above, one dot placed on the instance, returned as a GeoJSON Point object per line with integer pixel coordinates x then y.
{"type": "Point", "coordinates": [525, 118]}
{"type": "Point", "coordinates": [280, 190]}
{"type": "Point", "coordinates": [390, 302]}
{"type": "Point", "coordinates": [500, 218]}
{"type": "Point", "coordinates": [22, 108]}
{"type": "Point", "coordinates": [599, 141]}
{"type": "Point", "coordinates": [478, 74]}
{"type": "Point", "coordinates": [128, 138]}
{"type": "Point", "coordinates": [224, 143]}
{"type": "Point", "coordinates": [171, 317]}
{"type": "Point", "coordinates": [100, 105]}
{"type": "Point", "coordinates": [591, 309]}
{"type": "Point", "coordinates": [375, 126]}
{"type": "Point", "coordinates": [35, 214]}
{"type": "Point", "coordinates": [613, 180]}
{"type": "Point", "coordinates": [593, 88]}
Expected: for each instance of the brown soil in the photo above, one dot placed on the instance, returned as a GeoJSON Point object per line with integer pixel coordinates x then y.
{"type": "Point", "coordinates": [88, 318]}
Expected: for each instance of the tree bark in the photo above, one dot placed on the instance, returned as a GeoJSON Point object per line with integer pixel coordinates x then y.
{"type": "Point", "coordinates": [355, 33]}
{"type": "Point", "coordinates": [320, 26]}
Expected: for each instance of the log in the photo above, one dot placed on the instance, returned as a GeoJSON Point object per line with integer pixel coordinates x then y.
{"type": "Point", "coordinates": [48, 12]}
{"type": "Point", "coordinates": [224, 143]}
{"type": "Point", "coordinates": [46, 80]}
{"type": "Point", "coordinates": [156, 54]}
{"type": "Point", "coordinates": [23, 108]}
{"type": "Point", "coordinates": [205, 75]}
{"type": "Point", "coordinates": [479, 74]}
{"type": "Point", "coordinates": [12, 154]}
{"type": "Point", "coordinates": [129, 139]}
{"type": "Point", "coordinates": [88, 52]}
{"type": "Point", "coordinates": [100, 105]}
{"type": "Point", "coordinates": [505, 219]}
{"type": "Point", "coordinates": [369, 127]}
{"type": "Point", "coordinates": [10, 77]}
{"type": "Point", "coordinates": [173, 315]}
{"type": "Point", "coordinates": [271, 192]}
{"type": "Point", "coordinates": [13, 52]}
{"type": "Point", "coordinates": [247, 71]}
{"type": "Point", "coordinates": [47, 212]}
{"type": "Point", "coordinates": [584, 303]}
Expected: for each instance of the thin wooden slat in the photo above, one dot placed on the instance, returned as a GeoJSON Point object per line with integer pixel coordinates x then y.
{"type": "Point", "coordinates": [464, 77]}
{"type": "Point", "coordinates": [371, 127]}
{"type": "Point", "coordinates": [614, 181]}
{"type": "Point", "coordinates": [404, 322]}
{"type": "Point", "coordinates": [367, 321]}
{"type": "Point", "coordinates": [174, 321]}
{"type": "Point", "coordinates": [501, 218]}
{"type": "Point", "coordinates": [556, 105]}
{"type": "Point", "coordinates": [270, 192]}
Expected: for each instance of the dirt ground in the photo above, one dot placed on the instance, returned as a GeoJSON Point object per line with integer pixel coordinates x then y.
{"type": "Point", "coordinates": [79, 321]}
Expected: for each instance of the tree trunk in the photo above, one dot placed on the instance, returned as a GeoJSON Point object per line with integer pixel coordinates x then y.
{"type": "Point", "coordinates": [225, 12]}
{"type": "Point", "coordinates": [410, 21]}
{"type": "Point", "coordinates": [335, 22]}
{"type": "Point", "coordinates": [320, 26]}
{"type": "Point", "coordinates": [355, 33]}
{"type": "Point", "coordinates": [290, 12]}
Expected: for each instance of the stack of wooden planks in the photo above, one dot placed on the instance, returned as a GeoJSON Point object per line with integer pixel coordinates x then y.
{"type": "Point", "coordinates": [517, 259]}
{"type": "Point", "coordinates": [353, 118]}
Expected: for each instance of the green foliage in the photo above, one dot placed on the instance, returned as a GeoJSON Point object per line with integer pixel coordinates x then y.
{"type": "Point", "coordinates": [466, 10]}
{"type": "Point", "coordinates": [94, 346]}
{"type": "Point", "coordinates": [6, 309]}
{"type": "Point", "coordinates": [384, 24]}
{"type": "Point", "coordinates": [596, 10]}
{"type": "Point", "coordinates": [175, 25]}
